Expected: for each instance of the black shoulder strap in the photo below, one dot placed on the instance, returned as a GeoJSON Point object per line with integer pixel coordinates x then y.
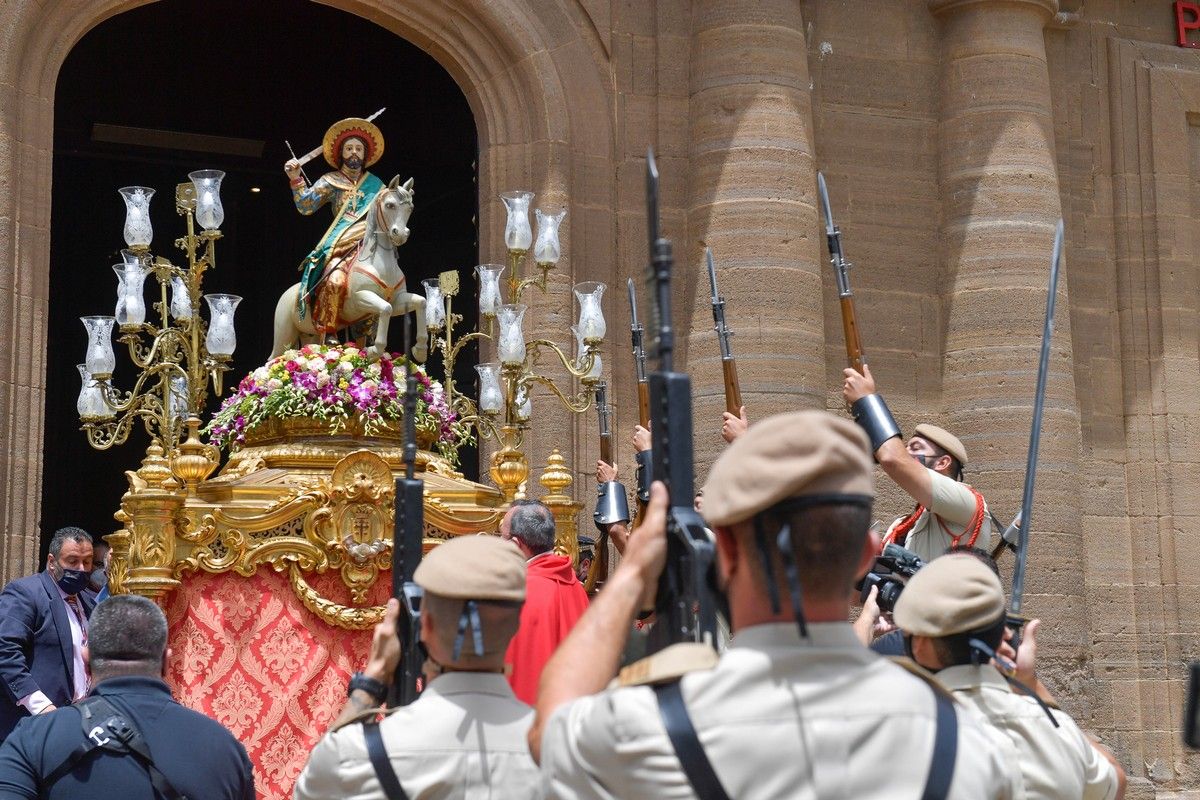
{"type": "Point", "coordinates": [682, 733]}
{"type": "Point", "coordinates": [106, 728]}
{"type": "Point", "coordinates": [945, 749]}
{"type": "Point", "coordinates": [380, 761]}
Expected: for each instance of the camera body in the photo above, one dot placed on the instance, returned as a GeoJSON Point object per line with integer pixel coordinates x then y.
{"type": "Point", "coordinates": [891, 570]}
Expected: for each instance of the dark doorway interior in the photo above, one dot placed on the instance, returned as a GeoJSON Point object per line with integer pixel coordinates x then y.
{"type": "Point", "coordinates": [263, 72]}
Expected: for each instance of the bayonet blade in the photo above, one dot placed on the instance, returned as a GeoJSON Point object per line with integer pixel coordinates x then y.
{"type": "Point", "coordinates": [712, 275]}
{"type": "Point", "coordinates": [632, 304]}
{"type": "Point", "coordinates": [829, 229]}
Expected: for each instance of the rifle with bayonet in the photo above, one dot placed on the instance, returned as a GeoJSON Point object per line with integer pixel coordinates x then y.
{"type": "Point", "coordinates": [407, 549]}
{"type": "Point", "coordinates": [637, 334]}
{"type": "Point", "coordinates": [685, 603]}
{"type": "Point", "coordinates": [733, 390]}
{"type": "Point", "coordinates": [1014, 620]}
{"type": "Point", "coordinates": [612, 502]}
{"type": "Point", "coordinates": [841, 270]}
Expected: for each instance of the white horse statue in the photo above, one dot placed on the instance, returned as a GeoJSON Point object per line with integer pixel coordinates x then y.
{"type": "Point", "coordinates": [374, 283]}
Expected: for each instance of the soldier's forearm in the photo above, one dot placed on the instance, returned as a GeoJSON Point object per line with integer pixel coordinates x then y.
{"type": "Point", "coordinates": [588, 659]}
{"type": "Point", "coordinates": [358, 702]}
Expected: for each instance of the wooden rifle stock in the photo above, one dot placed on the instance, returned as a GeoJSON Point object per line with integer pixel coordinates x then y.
{"type": "Point", "coordinates": [644, 404]}
{"type": "Point", "coordinates": [854, 350]}
{"type": "Point", "coordinates": [733, 390]}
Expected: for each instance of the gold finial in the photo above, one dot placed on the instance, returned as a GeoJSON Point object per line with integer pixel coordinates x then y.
{"type": "Point", "coordinates": [194, 461]}
{"type": "Point", "coordinates": [556, 477]}
{"type": "Point", "coordinates": [155, 470]}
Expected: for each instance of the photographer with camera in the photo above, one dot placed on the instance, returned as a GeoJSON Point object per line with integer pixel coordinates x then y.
{"type": "Point", "coordinates": [928, 468]}
{"type": "Point", "coordinates": [953, 617]}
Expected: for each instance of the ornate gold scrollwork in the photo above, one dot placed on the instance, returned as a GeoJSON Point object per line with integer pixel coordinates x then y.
{"type": "Point", "coordinates": [341, 616]}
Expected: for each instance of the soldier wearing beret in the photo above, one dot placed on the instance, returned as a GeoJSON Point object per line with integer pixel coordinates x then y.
{"type": "Point", "coordinates": [952, 613]}
{"type": "Point", "coordinates": [949, 513]}
{"type": "Point", "coordinates": [465, 735]}
{"type": "Point", "coordinates": [796, 706]}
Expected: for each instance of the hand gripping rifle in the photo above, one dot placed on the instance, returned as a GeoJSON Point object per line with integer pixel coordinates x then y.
{"type": "Point", "coordinates": [733, 390]}
{"type": "Point", "coordinates": [685, 603]}
{"type": "Point", "coordinates": [841, 269]}
{"type": "Point", "coordinates": [1015, 621]}
{"type": "Point", "coordinates": [612, 503]}
{"type": "Point", "coordinates": [637, 333]}
{"type": "Point", "coordinates": [409, 534]}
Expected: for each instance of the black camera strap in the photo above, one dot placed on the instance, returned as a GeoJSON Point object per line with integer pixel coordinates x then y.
{"type": "Point", "coordinates": [106, 728]}
{"type": "Point", "coordinates": [384, 770]}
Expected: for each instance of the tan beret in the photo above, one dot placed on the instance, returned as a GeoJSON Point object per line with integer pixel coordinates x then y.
{"type": "Point", "coordinates": [474, 568]}
{"type": "Point", "coordinates": [784, 456]}
{"type": "Point", "coordinates": [952, 594]}
{"type": "Point", "coordinates": [943, 439]}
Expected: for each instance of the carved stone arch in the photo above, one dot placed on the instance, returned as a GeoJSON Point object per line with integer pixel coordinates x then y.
{"type": "Point", "coordinates": [538, 83]}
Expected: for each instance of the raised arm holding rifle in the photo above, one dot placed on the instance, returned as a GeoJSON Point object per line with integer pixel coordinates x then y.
{"type": "Point", "coordinates": [733, 420]}
{"type": "Point", "coordinates": [928, 467]}
{"type": "Point", "coordinates": [612, 503]}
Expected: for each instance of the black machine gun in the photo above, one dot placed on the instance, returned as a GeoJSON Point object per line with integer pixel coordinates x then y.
{"type": "Point", "coordinates": [407, 549]}
{"type": "Point", "coordinates": [685, 603]}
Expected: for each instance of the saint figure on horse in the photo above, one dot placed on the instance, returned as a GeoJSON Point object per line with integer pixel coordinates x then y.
{"type": "Point", "coordinates": [350, 147]}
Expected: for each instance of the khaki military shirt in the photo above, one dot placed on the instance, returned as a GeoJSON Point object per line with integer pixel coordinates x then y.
{"type": "Point", "coordinates": [778, 718]}
{"type": "Point", "coordinates": [948, 515]}
{"type": "Point", "coordinates": [1054, 762]}
{"type": "Point", "coordinates": [462, 739]}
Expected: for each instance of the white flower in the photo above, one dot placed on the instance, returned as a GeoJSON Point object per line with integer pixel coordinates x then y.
{"type": "Point", "coordinates": [322, 378]}
{"type": "Point", "coordinates": [274, 383]}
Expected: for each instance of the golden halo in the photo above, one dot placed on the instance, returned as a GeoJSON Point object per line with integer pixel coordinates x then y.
{"type": "Point", "coordinates": [352, 126]}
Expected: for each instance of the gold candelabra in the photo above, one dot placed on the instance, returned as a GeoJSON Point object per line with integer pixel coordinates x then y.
{"type": "Point", "coordinates": [504, 409]}
{"type": "Point", "coordinates": [178, 356]}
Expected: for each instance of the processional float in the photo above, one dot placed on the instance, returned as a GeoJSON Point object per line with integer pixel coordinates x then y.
{"type": "Point", "coordinates": [273, 569]}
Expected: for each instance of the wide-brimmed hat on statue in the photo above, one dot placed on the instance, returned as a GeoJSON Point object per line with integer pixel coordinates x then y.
{"type": "Point", "coordinates": [352, 127]}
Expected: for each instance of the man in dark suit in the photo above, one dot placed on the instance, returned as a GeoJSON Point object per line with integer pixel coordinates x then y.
{"type": "Point", "coordinates": [176, 751]}
{"type": "Point", "coordinates": [43, 629]}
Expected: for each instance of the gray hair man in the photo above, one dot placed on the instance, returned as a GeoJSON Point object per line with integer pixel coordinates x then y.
{"type": "Point", "coordinates": [128, 738]}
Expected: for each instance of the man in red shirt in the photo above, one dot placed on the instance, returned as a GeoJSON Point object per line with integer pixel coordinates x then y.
{"type": "Point", "coordinates": [554, 597]}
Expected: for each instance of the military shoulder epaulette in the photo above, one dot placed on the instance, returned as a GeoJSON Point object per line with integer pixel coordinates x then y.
{"type": "Point", "coordinates": [362, 716]}
{"type": "Point", "coordinates": [668, 664]}
{"type": "Point", "coordinates": [915, 669]}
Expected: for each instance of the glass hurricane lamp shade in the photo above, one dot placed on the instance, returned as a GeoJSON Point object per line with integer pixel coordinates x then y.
{"type": "Point", "coordinates": [547, 250]}
{"type": "Point", "coordinates": [181, 299]}
{"type": "Point", "coordinates": [100, 361]}
{"type": "Point", "coordinates": [209, 212]}
{"type": "Point", "coordinates": [177, 398]}
{"type": "Point", "coordinates": [120, 310]}
{"type": "Point", "coordinates": [591, 316]}
{"type": "Point", "coordinates": [435, 306]}
{"type": "Point", "coordinates": [138, 231]}
{"type": "Point", "coordinates": [523, 405]}
{"type": "Point", "coordinates": [91, 404]}
{"type": "Point", "coordinates": [582, 349]}
{"type": "Point", "coordinates": [221, 339]}
{"type": "Point", "coordinates": [517, 233]}
{"type": "Point", "coordinates": [131, 307]}
{"type": "Point", "coordinates": [491, 396]}
{"type": "Point", "coordinates": [489, 288]}
{"type": "Point", "coordinates": [510, 347]}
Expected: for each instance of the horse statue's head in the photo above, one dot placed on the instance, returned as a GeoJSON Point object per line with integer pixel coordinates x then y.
{"type": "Point", "coordinates": [393, 207]}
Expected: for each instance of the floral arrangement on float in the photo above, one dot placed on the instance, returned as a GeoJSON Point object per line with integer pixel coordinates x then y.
{"type": "Point", "coordinates": [341, 388]}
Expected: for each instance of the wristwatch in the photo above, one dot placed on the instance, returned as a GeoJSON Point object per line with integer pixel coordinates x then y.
{"type": "Point", "coordinates": [376, 689]}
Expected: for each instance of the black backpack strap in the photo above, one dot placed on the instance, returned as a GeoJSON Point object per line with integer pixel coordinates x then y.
{"type": "Point", "coordinates": [380, 761]}
{"type": "Point", "coordinates": [106, 728]}
{"type": "Point", "coordinates": [945, 749]}
{"type": "Point", "coordinates": [686, 742]}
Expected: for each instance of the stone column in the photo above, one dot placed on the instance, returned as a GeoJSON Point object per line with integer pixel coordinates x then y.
{"type": "Point", "coordinates": [752, 199]}
{"type": "Point", "coordinates": [1000, 202]}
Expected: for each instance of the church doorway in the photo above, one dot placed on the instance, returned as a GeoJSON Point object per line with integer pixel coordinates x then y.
{"type": "Point", "coordinates": [152, 94]}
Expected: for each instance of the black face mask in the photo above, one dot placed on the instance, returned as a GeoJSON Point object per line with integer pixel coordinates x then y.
{"type": "Point", "coordinates": [73, 581]}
